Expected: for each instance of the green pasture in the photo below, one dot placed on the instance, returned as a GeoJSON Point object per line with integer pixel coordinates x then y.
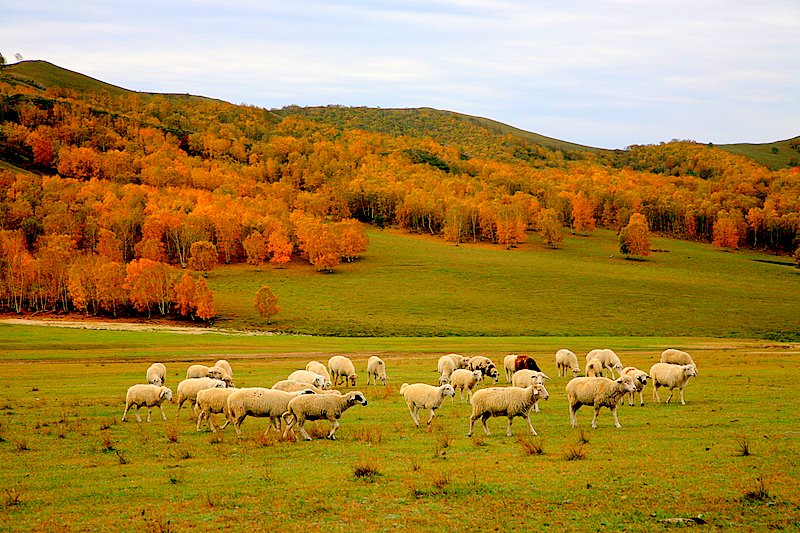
{"type": "Point", "coordinates": [71, 464]}
{"type": "Point", "coordinates": [415, 286]}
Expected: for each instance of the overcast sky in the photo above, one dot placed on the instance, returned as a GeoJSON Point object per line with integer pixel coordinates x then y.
{"type": "Point", "coordinates": [600, 73]}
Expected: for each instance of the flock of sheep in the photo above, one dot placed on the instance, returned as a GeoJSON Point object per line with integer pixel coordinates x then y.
{"type": "Point", "coordinates": [309, 394]}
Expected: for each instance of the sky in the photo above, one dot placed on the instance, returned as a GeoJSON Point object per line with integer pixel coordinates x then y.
{"type": "Point", "coordinates": [600, 73]}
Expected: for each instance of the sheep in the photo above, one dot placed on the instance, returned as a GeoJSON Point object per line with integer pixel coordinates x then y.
{"type": "Point", "coordinates": [319, 368]}
{"type": "Point", "coordinates": [312, 378]}
{"type": "Point", "coordinates": [459, 360]}
{"type": "Point", "coordinates": [376, 369]}
{"type": "Point", "coordinates": [594, 369]}
{"type": "Point", "coordinates": [524, 362]}
{"type": "Point", "coordinates": [422, 396]}
{"type": "Point", "coordinates": [188, 388]}
{"type": "Point", "coordinates": [287, 385]}
{"type": "Point", "coordinates": [317, 407]}
{"type": "Point", "coordinates": [676, 357]}
{"type": "Point", "coordinates": [567, 359]}
{"type": "Point", "coordinates": [203, 371]}
{"type": "Point", "coordinates": [508, 366]}
{"type": "Point", "coordinates": [147, 395]}
{"type": "Point", "coordinates": [598, 392]}
{"type": "Point", "coordinates": [445, 366]}
{"type": "Point", "coordinates": [341, 366]}
{"type": "Point", "coordinates": [505, 401]}
{"type": "Point", "coordinates": [485, 365]}
{"type": "Point", "coordinates": [259, 402]}
{"type": "Point", "coordinates": [672, 377]}
{"type": "Point", "coordinates": [212, 401]}
{"type": "Point", "coordinates": [157, 374]}
{"type": "Point", "coordinates": [525, 378]}
{"type": "Point", "coordinates": [608, 359]}
{"type": "Point", "coordinates": [462, 379]}
{"type": "Point", "coordinates": [225, 366]}
{"type": "Point", "coordinates": [640, 378]}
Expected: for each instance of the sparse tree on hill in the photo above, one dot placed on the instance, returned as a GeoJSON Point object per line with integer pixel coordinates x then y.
{"type": "Point", "coordinates": [551, 228]}
{"type": "Point", "coordinates": [266, 303]}
{"type": "Point", "coordinates": [634, 239]}
{"type": "Point", "coordinates": [204, 255]}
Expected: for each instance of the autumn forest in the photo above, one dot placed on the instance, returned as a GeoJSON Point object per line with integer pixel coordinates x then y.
{"type": "Point", "coordinates": [116, 203]}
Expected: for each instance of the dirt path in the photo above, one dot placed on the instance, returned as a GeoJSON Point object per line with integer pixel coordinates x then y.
{"type": "Point", "coordinates": [127, 326]}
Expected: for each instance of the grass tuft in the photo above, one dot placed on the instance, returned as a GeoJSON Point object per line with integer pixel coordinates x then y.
{"type": "Point", "coordinates": [171, 431]}
{"type": "Point", "coordinates": [13, 496]}
{"type": "Point", "coordinates": [530, 445]}
{"type": "Point", "coordinates": [368, 435]}
{"type": "Point", "coordinates": [575, 452]}
{"type": "Point", "coordinates": [269, 439]}
{"type": "Point", "coordinates": [364, 469]}
{"type": "Point", "coordinates": [440, 480]}
{"type": "Point", "coordinates": [21, 445]}
{"type": "Point", "coordinates": [583, 438]}
{"type": "Point", "coordinates": [743, 446]}
{"type": "Point", "coordinates": [106, 441]}
{"type": "Point", "coordinates": [121, 457]}
{"type": "Point", "coordinates": [757, 493]}
{"type": "Point", "coordinates": [158, 525]}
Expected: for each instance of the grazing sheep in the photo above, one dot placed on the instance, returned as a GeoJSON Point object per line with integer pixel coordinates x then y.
{"type": "Point", "coordinates": [188, 389]}
{"type": "Point", "coordinates": [341, 366]}
{"type": "Point", "coordinates": [312, 378]}
{"type": "Point", "coordinates": [203, 371]}
{"type": "Point", "coordinates": [146, 396]}
{"type": "Point", "coordinates": [157, 374]}
{"type": "Point", "coordinates": [376, 369]}
{"type": "Point", "coordinates": [225, 366]}
{"type": "Point", "coordinates": [445, 366]}
{"type": "Point", "coordinates": [676, 357]}
{"type": "Point", "coordinates": [317, 407]}
{"type": "Point", "coordinates": [261, 403]}
{"type": "Point", "coordinates": [597, 392]}
{"type": "Point", "coordinates": [505, 401]}
{"type": "Point", "coordinates": [594, 369]}
{"type": "Point", "coordinates": [485, 365]}
{"type": "Point", "coordinates": [508, 366]}
{"type": "Point", "coordinates": [640, 378]}
{"type": "Point", "coordinates": [524, 362]}
{"type": "Point", "coordinates": [212, 401]}
{"type": "Point", "coordinates": [319, 368]}
{"type": "Point", "coordinates": [608, 359]}
{"type": "Point", "coordinates": [287, 385]}
{"type": "Point", "coordinates": [422, 396]}
{"type": "Point", "coordinates": [672, 377]}
{"type": "Point", "coordinates": [459, 360]}
{"type": "Point", "coordinates": [566, 359]}
{"type": "Point", "coordinates": [462, 379]}
{"type": "Point", "coordinates": [525, 378]}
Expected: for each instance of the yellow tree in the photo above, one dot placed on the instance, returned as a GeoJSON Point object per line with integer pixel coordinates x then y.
{"type": "Point", "coordinates": [634, 239]}
{"type": "Point", "coordinates": [203, 255]}
{"type": "Point", "coordinates": [266, 303]}
{"type": "Point", "coordinates": [551, 228]}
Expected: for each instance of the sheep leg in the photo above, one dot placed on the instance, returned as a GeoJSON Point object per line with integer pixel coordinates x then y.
{"type": "Point", "coordinates": [178, 413]}
{"type": "Point", "coordinates": [290, 420]}
{"type": "Point", "coordinates": [470, 396]}
{"type": "Point", "coordinates": [149, 413]}
{"type": "Point", "coordinates": [211, 425]}
{"type": "Point", "coordinates": [681, 391]}
{"type": "Point", "coordinates": [334, 428]}
{"type": "Point", "coordinates": [527, 418]}
{"type": "Point", "coordinates": [303, 431]}
{"type": "Point", "coordinates": [237, 425]}
{"type": "Point", "coordinates": [138, 418]}
{"type": "Point", "coordinates": [641, 398]}
{"type": "Point", "coordinates": [596, 414]}
{"type": "Point", "coordinates": [671, 392]}
{"type": "Point", "coordinates": [616, 420]}
{"type": "Point", "coordinates": [573, 420]}
{"type": "Point", "coordinates": [200, 419]}
{"type": "Point", "coordinates": [127, 406]}
{"type": "Point", "coordinates": [430, 420]}
{"type": "Point", "coordinates": [163, 414]}
{"type": "Point", "coordinates": [484, 418]}
{"type": "Point", "coordinates": [414, 417]}
{"type": "Point", "coordinates": [656, 398]}
{"type": "Point", "coordinates": [223, 426]}
{"type": "Point", "coordinates": [536, 406]}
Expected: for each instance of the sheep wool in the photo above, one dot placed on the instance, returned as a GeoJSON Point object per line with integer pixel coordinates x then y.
{"type": "Point", "coordinates": [640, 378]}
{"type": "Point", "coordinates": [261, 403]}
{"type": "Point", "coordinates": [146, 395]}
{"type": "Point", "coordinates": [508, 366]}
{"type": "Point", "coordinates": [329, 407]}
{"type": "Point", "coordinates": [319, 368]}
{"type": "Point", "coordinates": [462, 379]}
{"type": "Point", "coordinates": [288, 385]}
{"type": "Point", "coordinates": [672, 377]}
{"type": "Point", "coordinates": [157, 374]}
{"type": "Point", "coordinates": [597, 392]}
{"type": "Point", "coordinates": [445, 366]}
{"type": "Point", "coordinates": [505, 401]}
{"type": "Point", "coordinates": [312, 378]}
{"type": "Point", "coordinates": [188, 389]}
{"type": "Point", "coordinates": [459, 360]}
{"type": "Point", "coordinates": [203, 371]}
{"type": "Point", "coordinates": [225, 366]}
{"type": "Point", "coordinates": [485, 365]}
{"type": "Point", "coordinates": [212, 401]}
{"type": "Point", "coordinates": [342, 367]}
{"type": "Point", "coordinates": [608, 359]}
{"type": "Point", "coordinates": [423, 396]}
{"type": "Point", "coordinates": [566, 359]}
{"type": "Point", "coordinates": [594, 369]}
{"type": "Point", "coordinates": [525, 378]}
{"type": "Point", "coordinates": [676, 357]}
{"type": "Point", "coordinates": [376, 370]}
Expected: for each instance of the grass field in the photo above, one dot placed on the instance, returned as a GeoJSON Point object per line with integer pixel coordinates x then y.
{"type": "Point", "coordinates": [730, 455]}
{"type": "Point", "coordinates": [426, 287]}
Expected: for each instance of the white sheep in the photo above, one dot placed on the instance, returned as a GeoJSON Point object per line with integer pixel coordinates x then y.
{"type": "Point", "coordinates": [312, 378]}
{"type": "Point", "coordinates": [462, 379]}
{"type": "Point", "coordinates": [505, 401]}
{"type": "Point", "coordinates": [594, 369]}
{"type": "Point", "coordinates": [672, 377]}
{"type": "Point", "coordinates": [508, 365]}
{"type": "Point", "coordinates": [315, 407]}
{"type": "Point", "coordinates": [157, 374]}
{"type": "Point", "coordinates": [188, 389]}
{"type": "Point", "coordinates": [485, 365]}
{"type": "Point", "coordinates": [261, 403]}
{"type": "Point", "coordinates": [288, 385]}
{"type": "Point", "coordinates": [225, 366]}
{"type": "Point", "coordinates": [676, 357]}
{"type": "Point", "coordinates": [146, 395]}
{"type": "Point", "coordinates": [566, 359]}
{"type": "Point", "coordinates": [525, 378]}
{"type": "Point", "coordinates": [459, 360]}
{"type": "Point", "coordinates": [203, 371]}
{"type": "Point", "coordinates": [423, 396]}
{"type": "Point", "coordinates": [342, 367]}
{"type": "Point", "coordinates": [608, 359]}
{"type": "Point", "coordinates": [211, 401]}
{"type": "Point", "coordinates": [376, 369]}
{"type": "Point", "coordinates": [319, 368]}
{"type": "Point", "coordinates": [597, 392]}
{"type": "Point", "coordinates": [445, 366]}
{"type": "Point", "coordinates": [640, 378]}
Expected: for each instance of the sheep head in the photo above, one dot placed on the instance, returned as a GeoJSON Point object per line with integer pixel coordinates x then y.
{"type": "Point", "coordinates": [628, 383]}
{"type": "Point", "coordinates": [447, 390]}
{"type": "Point", "coordinates": [690, 371]}
{"type": "Point", "coordinates": [541, 391]}
{"type": "Point", "coordinates": [356, 397]}
{"type": "Point", "coordinates": [166, 394]}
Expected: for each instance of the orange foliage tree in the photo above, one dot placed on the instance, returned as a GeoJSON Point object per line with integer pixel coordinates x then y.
{"type": "Point", "coordinates": [726, 232]}
{"type": "Point", "coordinates": [203, 256]}
{"type": "Point", "coordinates": [151, 285]}
{"type": "Point", "coordinates": [634, 239]}
{"type": "Point", "coordinates": [266, 303]}
{"type": "Point", "coordinates": [551, 228]}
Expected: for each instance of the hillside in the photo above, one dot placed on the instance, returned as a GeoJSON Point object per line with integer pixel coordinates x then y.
{"type": "Point", "coordinates": [106, 190]}
{"type": "Point", "coordinates": [775, 155]}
